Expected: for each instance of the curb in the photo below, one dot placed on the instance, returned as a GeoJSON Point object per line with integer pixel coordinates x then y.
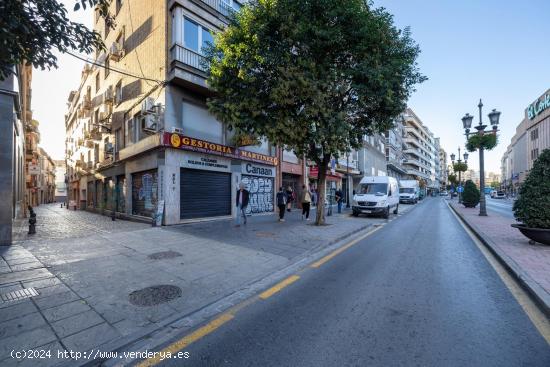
{"type": "Point", "coordinates": [535, 291]}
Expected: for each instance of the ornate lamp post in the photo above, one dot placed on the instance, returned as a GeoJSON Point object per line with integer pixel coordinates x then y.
{"type": "Point", "coordinates": [347, 181]}
{"type": "Point", "coordinates": [460, 169]}
{"type": "Point", "coordinates": [480, 143]}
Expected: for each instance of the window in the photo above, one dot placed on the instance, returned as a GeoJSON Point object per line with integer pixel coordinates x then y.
{"type": "Point", "coordinates": [97, 82]}
{"type": "Point", "coordinates": [534, 134]}
{"type": "Point", "coordinates": [119, 143]}
{"type": "Point", "coordinates": [119, 5]}
{"type": "Point", "coordinates": [107, 66]}
{"type": "Point", "coordinates": [195, 35]}
{"type": "Point", "coordinates": [118, 92]}
{"type": "Point", "coordinates": [129, 132]}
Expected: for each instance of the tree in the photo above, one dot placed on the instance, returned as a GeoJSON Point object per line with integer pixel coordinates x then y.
{"type": "Point", "coordinates": [312, 76]}
{"type": "Point", "coordinates": [495, 185]}
{"type": "Point", "coordinates": [453, 179]}
{"type": "Point", "coordinates": [31, 31]}
{"type": "Point", "coordinates": [470, 196]}
{"type": "Point", "coordinates": [533, 204]}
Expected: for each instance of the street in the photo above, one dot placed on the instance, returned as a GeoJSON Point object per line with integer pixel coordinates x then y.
{"type": "Point", "coordinates": [500, 206]}
{"type": "Point", "coordinates": [430, 300]}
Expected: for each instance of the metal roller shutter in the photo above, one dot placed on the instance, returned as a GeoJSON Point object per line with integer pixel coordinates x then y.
{"type": "Point", "coordinates": [204, 193]}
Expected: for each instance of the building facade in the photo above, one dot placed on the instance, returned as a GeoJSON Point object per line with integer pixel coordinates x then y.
{"type": "Point", "coordinates": [419, 152]}
{"type": "Point", "coordinates": [45, 178]}
{"type": "Point", "coordinates": [145, 145]}
{"type": "Point", "coordinates": [395, 147]}
{"type": "Point", "coordinates": [15, 111]}
{"type": "Point", "coordinates": [443, 168]}
{"type": "Point", "coordinates": [60, 184]}
{"type": "Point", "coordinates": [514, 163]}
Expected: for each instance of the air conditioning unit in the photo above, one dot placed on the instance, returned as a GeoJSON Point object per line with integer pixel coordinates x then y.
{"type": "Point", "coordinates": [87, 69]}
{"type": "Point", "coordinates": [177, 130]}
{"type": "Point", "coordinates": [108, 95]}
{"type": "Point", "coordinates": [104, 112]}
{"type": "Point", "coordinates": [148, 123]}
{"type": "Point", "coordinates": [148, 105]}
{"type": "Point", "coordinates": [116, 51]}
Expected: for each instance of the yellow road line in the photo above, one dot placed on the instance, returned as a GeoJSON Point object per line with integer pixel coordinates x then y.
{"type": "Point", "coordinates": [323, 260]}
{"type": "Point", "coordinates": [188, 339]}
{"type": "Point", "coordinates": [277, 287]}
{"type": "Point", "coordinates": [536, 316]}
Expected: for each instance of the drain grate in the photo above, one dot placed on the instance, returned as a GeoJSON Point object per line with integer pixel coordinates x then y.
{"type": "Point", "coordinates": [155, 295]}
{"type": "Point", "coordinates": [18, 295]}
{"type": "Point", "coordinates": [164, 255]}
{"type": "Point", "coordinates": [265, 234]}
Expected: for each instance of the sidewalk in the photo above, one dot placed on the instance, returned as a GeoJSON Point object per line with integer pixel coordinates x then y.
{"type": "Point", "coordinates": [530, 264]}
{"type": "Point", "coordinates": [92, 274]}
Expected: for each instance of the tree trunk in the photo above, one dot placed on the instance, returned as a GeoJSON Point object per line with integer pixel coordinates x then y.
{"type": "Point", "coordinates": [321, 185]}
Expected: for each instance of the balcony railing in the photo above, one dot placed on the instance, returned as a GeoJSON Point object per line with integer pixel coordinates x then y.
{"type": "Point", "coordinates": [219, 5]}
{"type": "Point", "coordinates": [188, 57]}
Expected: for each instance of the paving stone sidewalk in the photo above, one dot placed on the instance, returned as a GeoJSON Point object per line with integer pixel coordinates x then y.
{"type": "Point", "coordinates": [84, 267]}
{"type": "Point", "coordinates": [530, 262]}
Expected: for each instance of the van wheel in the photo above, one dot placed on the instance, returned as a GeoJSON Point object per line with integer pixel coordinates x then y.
{"type": "Point", "coordinates": [396, 209]}
{"type": "Point", "coordinates": [386, 214]}
{"type": "Point", "coordinates": [355, 214]}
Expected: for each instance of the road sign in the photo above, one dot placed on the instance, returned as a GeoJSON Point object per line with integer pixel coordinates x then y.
{"type": "Point", "coordinates": [460, 189]}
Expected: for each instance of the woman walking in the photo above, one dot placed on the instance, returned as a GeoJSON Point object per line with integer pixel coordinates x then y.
{"type": "Point", "coordinates": [305, 199]}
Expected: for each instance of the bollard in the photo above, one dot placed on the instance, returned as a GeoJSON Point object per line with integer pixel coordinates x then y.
{"type": "Point", "coordinates": [32, 221]}
{"type": "Point", "coordinates": [61, 205]}
{"type": "Point", "coordinates": [113, 215]}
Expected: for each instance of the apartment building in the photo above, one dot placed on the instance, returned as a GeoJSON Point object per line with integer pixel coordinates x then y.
{"type": "Point", "coordinates": [395, 146]}
{"type": "Point", "coordinates": [45, 190]}
{"type": "Point", "coordinates": [515, 162]}
{"type": "Point", "coordinates": [420, 151]}
{"type": "Point", "coordinates": [60, 184]}
{"type": "Point", "coordinates": [443, 168]}
{"type": "Point", "coordinates": [137, 141]}
{"type": "Point", "coordinates": [15, 112]}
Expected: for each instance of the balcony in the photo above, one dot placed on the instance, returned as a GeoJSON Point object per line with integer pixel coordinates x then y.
{"type": "Point", "coordinates": [188, 57]}
{"type": "Point", "coordinates": [188, 69]}
{"type": "Point", "coordinates": [219, 5]}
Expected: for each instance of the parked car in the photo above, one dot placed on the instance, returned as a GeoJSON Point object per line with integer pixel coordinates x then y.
{"type": "Point", "coordinates": [444, 193]}
{"type": "Point", "coordinates": [500, 195]}
{"type": "Point", "coordinates": [493, 193]}
{"type": "Point", "coordinates": [376, 195]}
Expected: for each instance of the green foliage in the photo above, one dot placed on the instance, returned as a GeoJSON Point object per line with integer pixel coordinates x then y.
{"type": "Point", "coordinates": [453, 179]}
{"type": "Point", "coordinates": [312, 76]}
{"type": "Point", "coordinates": [470, 196]}
{"type": "Point", "coordinates": [32, 30]}
{"type": "Point", "coordinates": [487, 141]}
{"type": "Point", "coordinates": [460, 167]}
{"type": "Point", "coordinates": [533, 204]}
{"type": "Point", "coordinates": [495, 185]}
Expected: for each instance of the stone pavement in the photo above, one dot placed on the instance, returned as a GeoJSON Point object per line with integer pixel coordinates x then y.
{"type": "Point", "coordinates": [87, 270]}
{"type": "Point", "coordinates": [530, 263]}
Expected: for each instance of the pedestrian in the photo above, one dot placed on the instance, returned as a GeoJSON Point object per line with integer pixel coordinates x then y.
{"type": "Point", "coordinates": [281, 203]}
{"type": "Point", "coordinates": [241, 202]}
{"type": "Point", "coordinates": [289, 197]}
{"type": "Point", "coordinates": [339, 200]}
{"type": "Point", "coordinates": [305, 199]}
{"type": "Point", "coordinates": [314, 196]}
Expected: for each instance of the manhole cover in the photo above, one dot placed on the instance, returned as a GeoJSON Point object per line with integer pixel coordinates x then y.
{"type": "Point", "coordinates": [155, 295]}
{"type": "Point", "coordinates": [164, 255]}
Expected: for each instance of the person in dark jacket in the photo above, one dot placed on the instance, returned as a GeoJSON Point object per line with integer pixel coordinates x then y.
{"type": "Point", "coordinates": [241, 201]}
{"type": "Point", "coordinates": [282, 200]}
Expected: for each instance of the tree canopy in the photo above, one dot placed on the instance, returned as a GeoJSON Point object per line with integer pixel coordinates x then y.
{"type": "Point", "coordinates": [31, 31]}
{"type": "Point", "coordinates": [312, 76]}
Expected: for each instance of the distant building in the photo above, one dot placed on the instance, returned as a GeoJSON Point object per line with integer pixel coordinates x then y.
{"type": "Point", "coordinates": [443, 169]}
{"type": "Point", "coordinates": [395, 146]}
{"type": "Point", "coordinates": [60, 184]}
{"type": "Point", "coordinates": [46, 178]}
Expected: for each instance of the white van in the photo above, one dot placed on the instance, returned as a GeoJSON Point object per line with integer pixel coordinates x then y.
{"type": "Point", "coordinates": [376, 195]}
{"type": "Point", "coordinates": [409, 191]}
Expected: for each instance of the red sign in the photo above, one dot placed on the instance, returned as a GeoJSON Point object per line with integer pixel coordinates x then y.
{"type": "Point", "coordinates": [197, 145]}
{"type": "Point", "coordinates": [314, 173]}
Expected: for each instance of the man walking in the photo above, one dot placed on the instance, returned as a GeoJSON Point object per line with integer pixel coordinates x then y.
{"type": "Point", "coordinates": [241, 202]}
{"type": "Point", "coordinates": [281, 203]}
{"type": "Point", "coordinates": [305, 199]}
{"type": "Point", "coordinates": [339, 200]}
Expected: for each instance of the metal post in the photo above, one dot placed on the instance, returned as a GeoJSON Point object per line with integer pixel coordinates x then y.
{"type": "Point", "coordinates": [482, 207]}
{"type": "Point", "coordinates": [458, 188]}
{"type": "Point", "coordinates": [347, 174]}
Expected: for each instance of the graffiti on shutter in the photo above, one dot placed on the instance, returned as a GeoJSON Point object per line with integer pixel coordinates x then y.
{"type": "Point", "coordinates": [144, 193]}
{"type": "Point", "coordinates": [261, 194]}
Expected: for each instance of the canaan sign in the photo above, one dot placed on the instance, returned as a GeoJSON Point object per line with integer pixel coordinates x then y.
{"type": "Point", "coordinates": [538, 106]}
{"type": "Point", "coordinates": [197, 145]}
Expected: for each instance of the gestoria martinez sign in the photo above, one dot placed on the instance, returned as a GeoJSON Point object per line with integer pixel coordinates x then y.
{"type": "Point", "coordinates": [183, 142]}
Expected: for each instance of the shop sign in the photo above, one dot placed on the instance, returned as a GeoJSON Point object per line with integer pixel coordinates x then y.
{"type": "Point", "coordinates": [207, 162]}
{"type": "Point", "coordinates": [314, 173]}
{"type": "Point", "coordinates": [538, 107]}
{"type": "Point", "coordinates": [256, 170]}
{"type": "Point", "coordinates": [179, 141]}
{"type": "Point", "coordinates": [33, 169]}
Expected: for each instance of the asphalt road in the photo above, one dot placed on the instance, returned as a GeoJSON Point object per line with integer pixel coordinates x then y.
{"type": "Point", "coordinates": [500, 206]}
{"type": "Point", "coordinates": [418, 292]}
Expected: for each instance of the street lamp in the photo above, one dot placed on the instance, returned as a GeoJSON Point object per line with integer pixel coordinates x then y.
{"type": "Point", "coordinates": [347, 174]}
{"type": "Point", "coordinates": [467, 124]}
{"type": "Point", "coordinates": [453, 156]}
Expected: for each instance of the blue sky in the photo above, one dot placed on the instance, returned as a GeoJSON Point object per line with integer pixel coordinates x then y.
{"type": "Point", "coordinates": [491, 49]}
{"type": "Point", "coordinates": [496, 50]}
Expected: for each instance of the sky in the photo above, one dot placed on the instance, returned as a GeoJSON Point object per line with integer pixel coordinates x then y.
{"type": "Point", "coordinates": [495, 50]}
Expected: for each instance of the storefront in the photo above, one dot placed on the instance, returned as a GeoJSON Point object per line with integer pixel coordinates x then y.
{"type": "Point", "coordinates": [333, 182]}
{"type": "Point", "coordinates": [260, 182]}
{"type": "Point", "coordinates": [144, 193]}
{"type": "Point", "coordinates": [209, 175]}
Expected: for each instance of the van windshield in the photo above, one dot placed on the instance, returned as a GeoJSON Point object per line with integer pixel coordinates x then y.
{"type": "Point", "coordinates": [406, 190]}
{"type": "Point", "coordinates": [373, 188]}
